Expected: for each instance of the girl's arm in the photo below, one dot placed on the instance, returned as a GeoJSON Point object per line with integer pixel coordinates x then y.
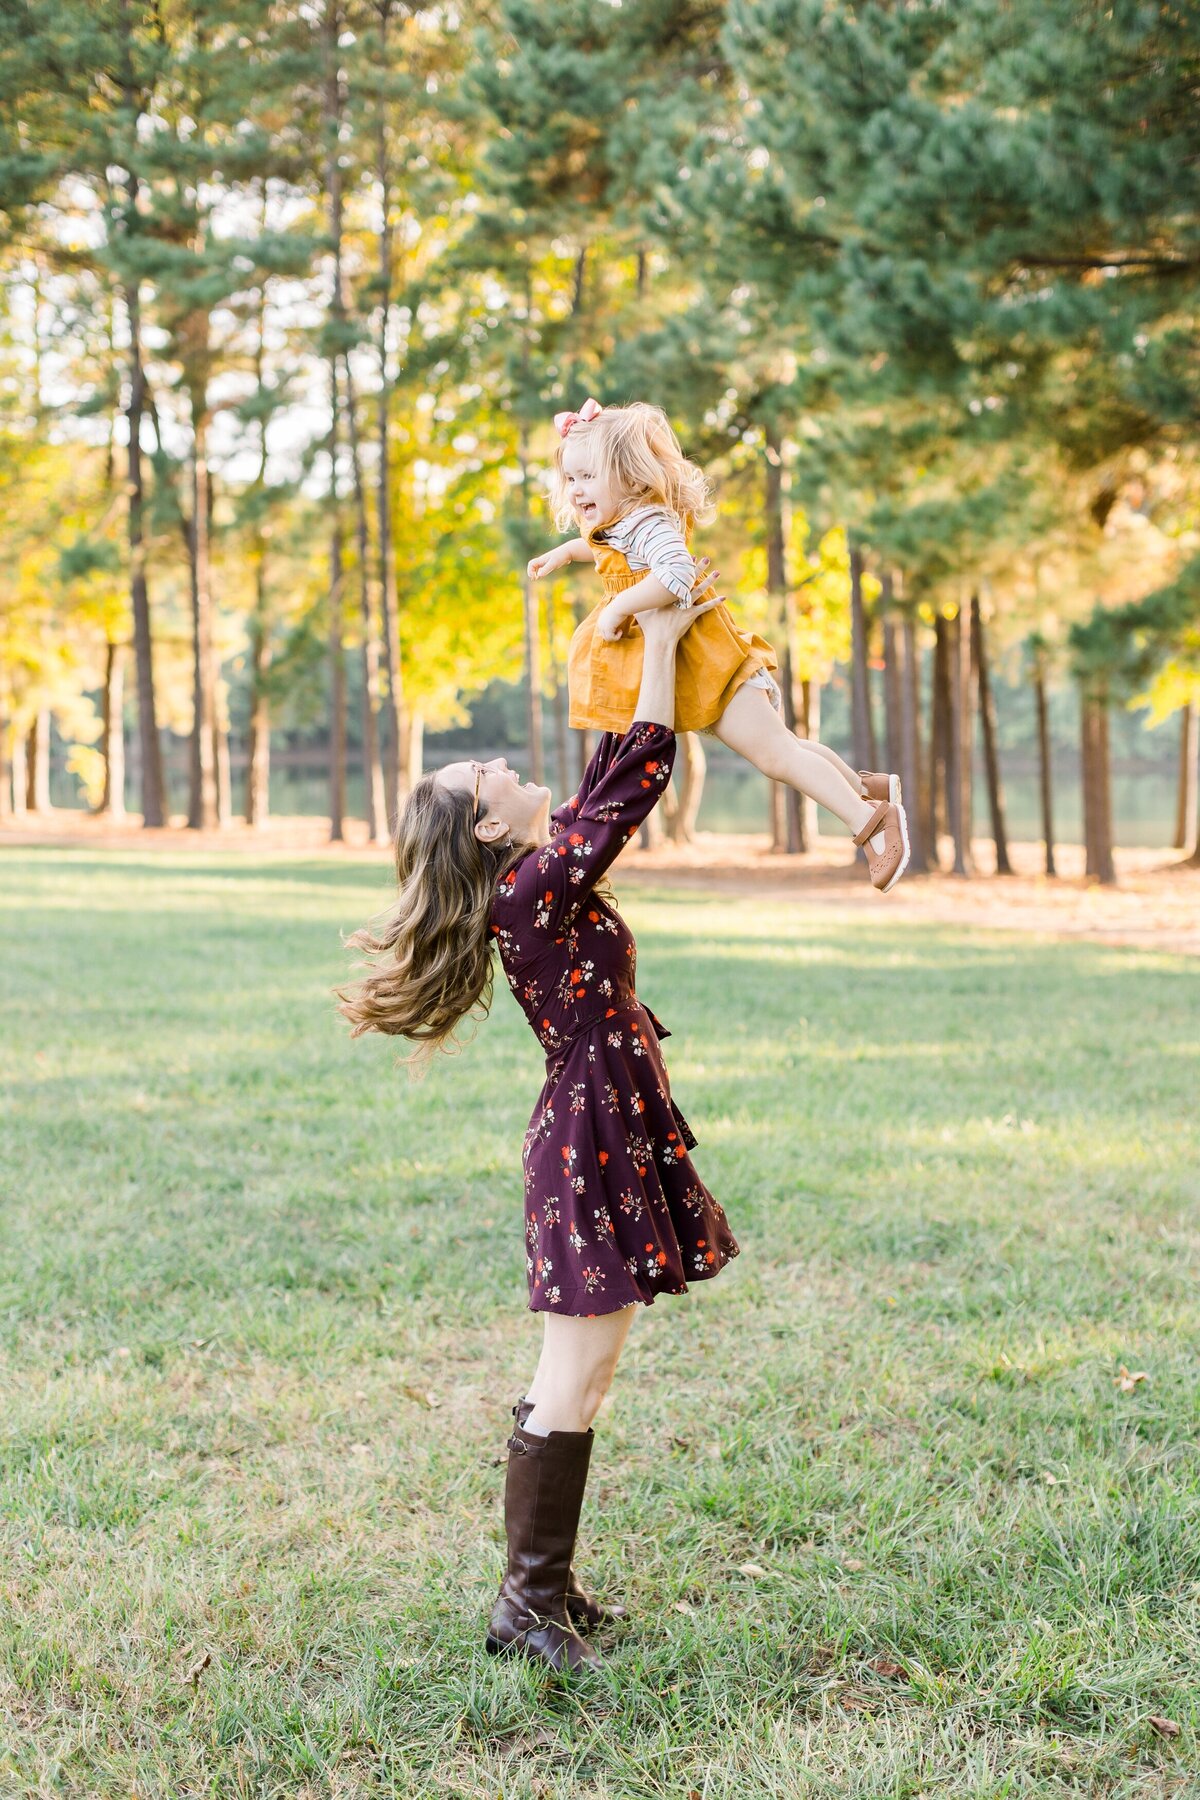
{"type": "Point", "coordinates": [621, 608]}
{"type": "Point", "coordinates": [574, 550]}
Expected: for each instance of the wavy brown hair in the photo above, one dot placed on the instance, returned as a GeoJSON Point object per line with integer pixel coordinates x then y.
{"type": "Point", "coordinates": [429, 957]}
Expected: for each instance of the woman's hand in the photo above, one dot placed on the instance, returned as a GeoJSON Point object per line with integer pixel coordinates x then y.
{"type": "Point", "coordinates": [663, 628]}
{"type": "Point", "coordinates": [706, 580]}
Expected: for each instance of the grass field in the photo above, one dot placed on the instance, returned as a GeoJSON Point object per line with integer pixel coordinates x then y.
{"type": "Point", "coordinates": [888, 1521]}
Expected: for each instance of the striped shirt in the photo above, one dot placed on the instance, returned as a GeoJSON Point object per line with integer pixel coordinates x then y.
{"type": "Point", "coordinates": [651, 538]}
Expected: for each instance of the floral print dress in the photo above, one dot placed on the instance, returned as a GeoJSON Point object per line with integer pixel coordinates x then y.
{"type": "Point", "coordinates": [615, 1213]}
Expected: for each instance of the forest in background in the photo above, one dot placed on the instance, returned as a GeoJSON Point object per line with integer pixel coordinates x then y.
{"type": "Point", "coordinates": [292, 292]}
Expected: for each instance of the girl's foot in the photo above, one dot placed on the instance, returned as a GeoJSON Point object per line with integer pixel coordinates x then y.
{"type": "Point", "coordinates": [880, 787]}
{"type": "Point", "coordinates": [885, 839]}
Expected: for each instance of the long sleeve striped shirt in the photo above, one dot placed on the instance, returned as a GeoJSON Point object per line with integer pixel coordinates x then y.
{"type": "Point", "coordinates": [651, 538]}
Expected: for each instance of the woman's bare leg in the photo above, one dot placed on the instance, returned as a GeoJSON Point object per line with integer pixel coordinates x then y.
{"type": "Point", "coordinates": [575, 1371]}
{"type": "Point", "coordinates": [751, 726]}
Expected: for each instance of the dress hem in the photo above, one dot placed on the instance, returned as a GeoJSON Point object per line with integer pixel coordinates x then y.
{"type": "Point", "coordinates": [639, 1299]}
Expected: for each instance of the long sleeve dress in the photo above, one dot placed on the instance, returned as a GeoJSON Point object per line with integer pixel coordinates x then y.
{"type": "Point", "coordinates": [615, 1212]}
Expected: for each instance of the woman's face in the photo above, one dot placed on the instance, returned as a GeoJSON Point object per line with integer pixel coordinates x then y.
{"type": "Point", "coordinates": [508, 806]}
{"type": "Point", "coordinates": [593, 499]}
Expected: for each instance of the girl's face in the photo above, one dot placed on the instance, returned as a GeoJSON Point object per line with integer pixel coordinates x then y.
{"type": "Point", "coordinates": [593, 499]}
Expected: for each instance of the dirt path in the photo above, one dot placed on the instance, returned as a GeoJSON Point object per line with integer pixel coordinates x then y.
{"type": "Point", "coordinates": [1155, 905]}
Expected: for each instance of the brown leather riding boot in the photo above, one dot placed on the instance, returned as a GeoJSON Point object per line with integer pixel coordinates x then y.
{"type": "Point", "coordinates": [543, 1497]}
{"type": "Point", "coordinates": [584, 1611]}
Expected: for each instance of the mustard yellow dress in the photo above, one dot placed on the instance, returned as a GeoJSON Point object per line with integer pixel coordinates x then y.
{"type": "Point", "coordinates": [713, 661]}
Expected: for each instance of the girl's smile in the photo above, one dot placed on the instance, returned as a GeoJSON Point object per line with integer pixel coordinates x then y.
{"type": "Point", "coordinates": [593, 500]}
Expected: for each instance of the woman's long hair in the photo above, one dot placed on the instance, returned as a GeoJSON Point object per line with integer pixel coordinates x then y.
{"type": "Point", "coordinates": [639, 455]}
{"type": "Point", "coordinates": [429, 957]}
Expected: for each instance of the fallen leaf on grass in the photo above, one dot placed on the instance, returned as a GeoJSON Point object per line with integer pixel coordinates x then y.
{"type": "Point", "coordinates": [422, 1398]}
{"type": "Point", "coordinates": [853, 1564]}
{"type": "Point", "coordinates": [1127, 1381]}
{"type": "Point", "coordinates": [855, 1703]}
{"type": "Point", "coordinates": [751, 1569]}
{"type": "Point", "coordinates": [1168, 1728]}
{"type": "Point", "coordinates": [197, 1669]}
{"type": "Point", "coordinates": [889, 1670]}
{"type": "Point", "coordinates": [683, 1607]}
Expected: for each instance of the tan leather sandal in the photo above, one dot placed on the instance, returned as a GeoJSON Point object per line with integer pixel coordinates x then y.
{"type": "Point", "coordinates": [888, 865]}
{"type": "Point", "coordinates": [880, 786]}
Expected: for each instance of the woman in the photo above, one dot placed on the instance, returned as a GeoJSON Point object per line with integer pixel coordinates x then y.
{"type": "Point", "coordinates": [615, 1212]}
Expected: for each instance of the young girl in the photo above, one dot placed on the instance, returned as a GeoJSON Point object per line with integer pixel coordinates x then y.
{"type": "Point", "coordinates": [622, 477]}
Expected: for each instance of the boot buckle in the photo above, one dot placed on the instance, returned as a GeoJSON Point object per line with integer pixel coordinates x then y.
{"type": "Point", "coordinates": [518, 1446]}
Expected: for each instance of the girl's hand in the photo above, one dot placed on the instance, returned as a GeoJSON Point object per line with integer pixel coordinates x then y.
{"type": "Point", "coordinates": [610, 625]}
{"type": "Point", "coordinates": [546, 563]}
{"type": "Point", "coordinates": [667, 624]}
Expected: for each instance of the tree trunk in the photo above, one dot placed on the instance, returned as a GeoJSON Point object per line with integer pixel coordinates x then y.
{"type": "Point", "coordinates": [1097, 787]}
{"type": "Point", "coordinates": [414, 748]}
{"type": "Point", "coordinates": [19, 772]}
{"type": "Point", "coordinates": [862, 723]}
{"type": "Point", "coordinates": [1106, 870]}
{"type": "Point", "coordinates": [810, 726]}
{"type": "Point", "coordinates": [112, 737]}
{"type": "Point", "coordinates": [909, 674]}
{"type": "Point", "coordinates": [691, 789]}
{"type": "Point", "coordinates": [991, 755]}
{"type": "Point", "coordinates": [893, 672]}
{"type": "Point", "coordinates": [38, 764]}
{"type": "Point", "coordinates": [376, 805]}
{"type": "Point", "coordinates": [939, 739]}
{"type": "Point", "coordinates": [652, 833]}
{"type": "Point", "coordinates": [153, 791]}
{"type": "Point", "coordinates": [1186, 801]}
{"type": "Point", "coordinates": [258, 748]}
{"type": "Point", "coordinates": [6, 793]}
{"type": "Point", "coordinates": [394, 751]}
{"type": "Point", "coordinates": [1045, 768]}
{"type": "Point", "coordinates": [777, 597]}
{"type": "Point", "coordinates": [533, 643]}
{"type": "Point", "coordinates": [778, 816]}
{"type": "Point", "coordinates": [203, 803]}
{"type": "Point", "coordinates": [221, 763]}
{"type": "Point", "coordinates": [958, 757]}
{"type": "Point", "coordinates": [258, 759]}
{"type": "Point", "coordinates": [558, 701]}
{"type": "Point", "coordinates": [337, 666]}
{"type": "Point", "coordinates": [153, 786]}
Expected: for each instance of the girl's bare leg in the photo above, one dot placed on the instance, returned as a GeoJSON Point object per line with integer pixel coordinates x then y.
{"type": "Point", "coordinates": [751, 726]}
{"type": "Point", "coordinates": [575, 1371]}
{"type": "Point", "coordinates": [831, 756]}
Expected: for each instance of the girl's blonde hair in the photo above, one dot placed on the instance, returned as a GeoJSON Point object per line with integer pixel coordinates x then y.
{"type": "Point", "coordinates": [430, 955]}
{"type": "Point", "coordinates": [640, 457]}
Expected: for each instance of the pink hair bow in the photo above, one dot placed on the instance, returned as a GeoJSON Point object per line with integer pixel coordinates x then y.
{"type": "Point", "coordinates": [587, 411]}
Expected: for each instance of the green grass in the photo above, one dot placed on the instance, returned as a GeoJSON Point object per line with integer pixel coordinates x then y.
{"type": "Point", "coordinates": [263, 1316]}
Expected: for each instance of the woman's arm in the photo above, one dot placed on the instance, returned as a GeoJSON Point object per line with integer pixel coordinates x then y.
{"type": "Point", "coordinates": [623, 784]}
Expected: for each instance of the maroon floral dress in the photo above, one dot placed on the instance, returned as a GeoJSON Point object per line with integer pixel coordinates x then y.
{"type": "Point", "coordinates": [614, 1211]}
